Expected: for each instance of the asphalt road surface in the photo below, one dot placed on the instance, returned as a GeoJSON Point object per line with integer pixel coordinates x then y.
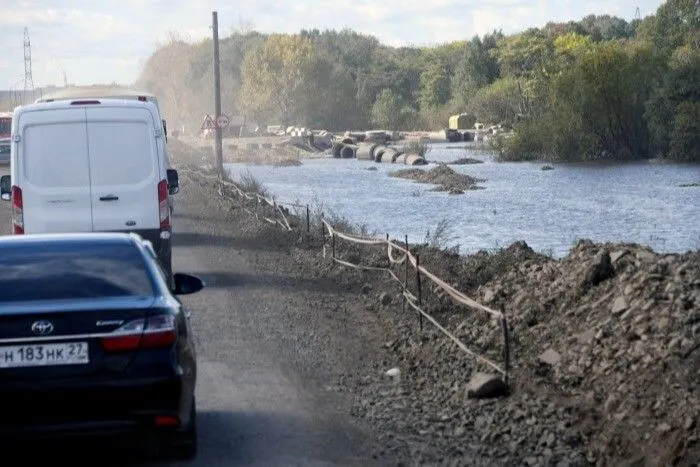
{"type": "Point", "coordinates": [258, 402]}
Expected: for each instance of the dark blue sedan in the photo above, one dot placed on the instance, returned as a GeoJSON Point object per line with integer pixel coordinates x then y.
{"type": "Point", "coordinates": [93, 342]}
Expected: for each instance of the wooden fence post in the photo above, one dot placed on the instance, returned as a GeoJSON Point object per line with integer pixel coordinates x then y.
{"type": "Point", "coordinates": [420, 292]}
{"type": "Point", "coordinates": [405, 277]}
{"type": "Point", "coordinates": [388, 258]}
{"type": "Point", "coordinates": [506, 344]}
{"type": "Point", "coordinates": [333, 245]}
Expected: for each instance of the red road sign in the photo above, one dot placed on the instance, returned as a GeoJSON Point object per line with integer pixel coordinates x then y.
{"type": "Point", "coordinates": [222, 121]}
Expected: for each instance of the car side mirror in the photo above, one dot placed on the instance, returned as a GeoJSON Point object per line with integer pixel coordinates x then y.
{"type": "Point", "coordinates": [5, 187]}
{"type": "Point", "coordinates": [173, 181]}
{"type": "Point", "coordinates": [186, 284]}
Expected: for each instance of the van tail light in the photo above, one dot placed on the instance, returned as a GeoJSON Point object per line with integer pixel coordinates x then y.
{"type": "Point", "coordinates": [17, 211]}
{"type": "Point", "coordinates": [163, 208]}
{"type": "Point", "coordinates": [145, 333]}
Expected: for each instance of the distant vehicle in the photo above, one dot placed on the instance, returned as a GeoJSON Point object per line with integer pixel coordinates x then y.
{"type": "Point", "coordinates": [95, 165]}
{"type": "Point", "coordinates": [5, 151]}
{"type": "Point", "coordinates": [94, 342]}
{"type": "Point", "coordinates": [5, 124]}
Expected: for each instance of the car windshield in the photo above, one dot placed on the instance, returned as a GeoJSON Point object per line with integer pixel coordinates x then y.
{"type": "Point", "coordinates": [72, 271]}
{"type": "Point", "coordinates": [4, 148]}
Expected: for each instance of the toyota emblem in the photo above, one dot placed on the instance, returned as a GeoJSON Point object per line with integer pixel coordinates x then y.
{"type": "Point", "coordinates": [42, 328]}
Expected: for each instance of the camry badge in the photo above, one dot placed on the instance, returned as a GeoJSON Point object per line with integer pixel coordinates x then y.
{"type": "Point", "coordinates": [42, 328]}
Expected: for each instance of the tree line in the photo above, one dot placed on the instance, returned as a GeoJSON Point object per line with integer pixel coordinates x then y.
{"type": "Point", "coordinates": [597, 88]}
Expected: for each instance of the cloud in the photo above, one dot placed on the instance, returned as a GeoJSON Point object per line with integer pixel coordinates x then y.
{"type": "Point", "coordinates": [107, 40]}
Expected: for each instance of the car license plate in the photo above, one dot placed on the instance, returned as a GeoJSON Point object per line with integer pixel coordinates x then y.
{"type": "Point", "coordinates": [68, 353]}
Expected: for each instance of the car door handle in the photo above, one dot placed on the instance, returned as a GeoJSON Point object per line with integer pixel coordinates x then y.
{"type": "Point", "coordinates": [109, 198]}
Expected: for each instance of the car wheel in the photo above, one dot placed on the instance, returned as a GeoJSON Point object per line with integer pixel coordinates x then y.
{"type": "Point", "coordinates": [183, 445]}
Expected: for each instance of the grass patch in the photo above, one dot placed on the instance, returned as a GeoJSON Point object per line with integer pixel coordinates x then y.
{"type": "Point", "coordinates": [250, 184]}
{"type": "Point", "coordinates": [443, 237]}
{"type": "Point", "coordinates": [416, 146]}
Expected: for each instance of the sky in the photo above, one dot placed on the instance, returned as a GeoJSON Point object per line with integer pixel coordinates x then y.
{"type": "Point", "coordinates": [105, 41]}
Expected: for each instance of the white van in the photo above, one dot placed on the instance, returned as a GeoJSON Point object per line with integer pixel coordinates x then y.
{"type": "Point", "coordinates": [92, 165]}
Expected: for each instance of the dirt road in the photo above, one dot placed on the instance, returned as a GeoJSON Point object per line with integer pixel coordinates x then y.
{"type": "Point", "coordinates": [267, 364]}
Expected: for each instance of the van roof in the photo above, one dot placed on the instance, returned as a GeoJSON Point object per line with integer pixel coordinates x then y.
{"type": "Point", "coordinates": [94, 91]}
{"type": "Point", "coordinates": [82, 102]}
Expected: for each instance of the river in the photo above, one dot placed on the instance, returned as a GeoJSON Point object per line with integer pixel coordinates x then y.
{"type": "Point", "coordinates": [638, 202]}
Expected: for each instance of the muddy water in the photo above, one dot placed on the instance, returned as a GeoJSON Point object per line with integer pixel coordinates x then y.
{"type": "Point", "coordinates": [632, 202]}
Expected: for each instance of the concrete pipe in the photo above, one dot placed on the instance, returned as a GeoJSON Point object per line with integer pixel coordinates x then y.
{"type": "Point", "coordinates": [347, 141]}
{"type": "Point", "coordinates": [366, 151]}
{"type": "Point", "coordinates": [414, 159]}
{"type": "Point", "coordinates": [388, 155]}
{"type": "Point", "coordinates": [377, 136]}
{"type": "Point", "coordinates": [348, 152]}
{"type": "Point", "coordinates": [336, 148]}
{"type": "Point", "coordinates": [400, 159]}
{"type": "Point", "coordinates": [357, 136]}
{"type": "Point", "coordinates": [378, 153]}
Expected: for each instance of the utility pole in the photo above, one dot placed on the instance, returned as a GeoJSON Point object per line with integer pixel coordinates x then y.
{"type": "Point", "coordinates": [218, 145]}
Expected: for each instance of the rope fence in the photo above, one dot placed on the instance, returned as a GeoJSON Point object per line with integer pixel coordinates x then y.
{"type": "Point", "coordinates": [397, 255]}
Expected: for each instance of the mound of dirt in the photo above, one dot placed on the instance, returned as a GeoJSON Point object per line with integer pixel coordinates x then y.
{"type": "Point", "coordinates": [465, 161]}
{"type": "Point", "coordinates": [605, 347]}
{"type": "Point", "coordinates": [443, 176]}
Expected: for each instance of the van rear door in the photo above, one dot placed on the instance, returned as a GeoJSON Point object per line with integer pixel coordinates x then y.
{"type": "Point", "coordinates": [124, 168]}
{"type": "Point", "coordinates": [53, 171]}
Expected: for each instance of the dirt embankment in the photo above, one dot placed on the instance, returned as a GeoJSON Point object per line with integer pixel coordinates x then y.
{"type": "Point", "coordinates": [444, 177]}
{"type": "Point", "coordinates": [605, 348]}
{"type": "Point", "coordinates": [273, 150]}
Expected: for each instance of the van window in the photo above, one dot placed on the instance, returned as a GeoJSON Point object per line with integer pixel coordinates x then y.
{"type": "Point", "coordinates": [121, 152]}
{"type": "Point", "coordinates": [55, 155]}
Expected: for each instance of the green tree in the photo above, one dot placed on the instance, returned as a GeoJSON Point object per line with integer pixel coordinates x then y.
{"type": "Point", "coordinates": [670, 110]}
{"type": "Point", "coordinates": [434, 85]}
{"type": "Point", "coordinates": [499, 102]}
{"type": "Point", "coordinates": [525, 54]}
{"type": "Point", "coordinates": [476, 68]}
{"type": "Point", "coordinates": [607, 88]}
{"type": "Point", "coordinates": [279, 78]}
{"type": "Point", "coordinates": [387, 110]}
{"type": "Point", "coordinates": [670, 27]}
